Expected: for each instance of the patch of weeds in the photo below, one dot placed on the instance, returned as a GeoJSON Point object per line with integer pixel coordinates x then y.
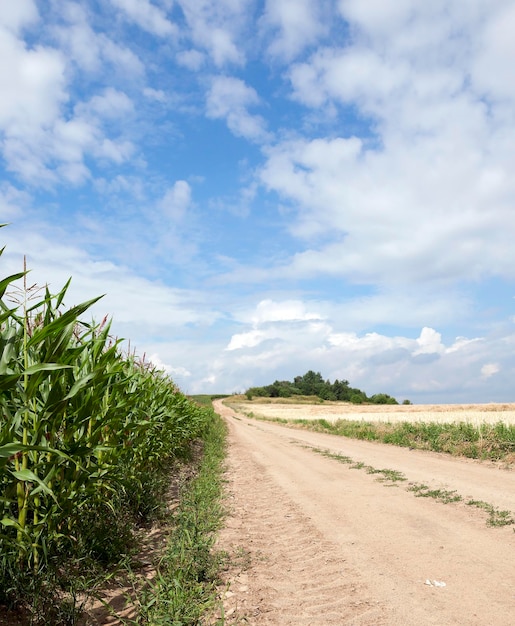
{"type": "Point", "coordinates": [393, 476]}
{"type": "Point", "coordinates": [240, 559]}
{"type": "Point", "coordinates": [337, 457]}
{"type": "Point", "coordinates": [388, 474]}
{"type": "Point", "coordinates": [495, 516]}
{"type": "Point", "coordinates": [442, 495]}
{"type": "Point", "coordinates": [327, 453]}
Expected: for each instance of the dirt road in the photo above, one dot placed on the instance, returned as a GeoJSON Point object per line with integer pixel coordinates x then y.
{"type": "Point", "coordinates": [315, 541]}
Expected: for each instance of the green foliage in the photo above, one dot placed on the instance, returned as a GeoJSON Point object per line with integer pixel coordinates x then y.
{"type": "Point", "coordinates": [207, 399]}
{"type": "Point", "coordinates": [487, 441]}
{"type": "Point", "coordinates": [382, 398]}
{"type": "Point", "coordinates": [496, 517]}
{"type": "Point", "coordinates": [84, 432]}
{"type": "Point", "coordinates": [186, 582]}
{"type": "Point", "coordinates": [313, 384]}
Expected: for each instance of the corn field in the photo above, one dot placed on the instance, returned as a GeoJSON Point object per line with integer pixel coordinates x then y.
{"type": "Point", "coordinates": [83, 428]}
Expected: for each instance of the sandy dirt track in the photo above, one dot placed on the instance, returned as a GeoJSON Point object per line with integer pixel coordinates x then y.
{"type": "Point", "coordinates": [315, 542]}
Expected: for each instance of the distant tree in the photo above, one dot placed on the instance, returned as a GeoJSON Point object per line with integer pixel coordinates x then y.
{"type": "Point", "coordinates": [313, 384]}
{"type": "Point", "coordinates": [310, 384]}
{"type": "Point", "coordinates": [383, 398]}
{"type": "Point", "coordinates": [326, 392]}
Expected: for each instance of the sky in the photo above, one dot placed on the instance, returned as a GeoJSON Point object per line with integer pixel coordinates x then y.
{"type": "Point", "coordinates": [266, 187]}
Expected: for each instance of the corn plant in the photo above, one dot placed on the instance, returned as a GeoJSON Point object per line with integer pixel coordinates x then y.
{"type": "Point", "coordinates": [82, 426]}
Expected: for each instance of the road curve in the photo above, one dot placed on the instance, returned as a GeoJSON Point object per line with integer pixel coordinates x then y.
{"type": "Point", "coordinates": [316, 541]}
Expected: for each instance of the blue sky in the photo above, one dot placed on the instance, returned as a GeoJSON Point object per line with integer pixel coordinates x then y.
{"type": "Point", "coordinates": [266, 187]}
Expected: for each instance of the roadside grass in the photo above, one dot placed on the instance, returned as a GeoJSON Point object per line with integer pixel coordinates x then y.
{"type": "Point", "coordinates": [494, 442]}
{"type": "Point", "coordinates": [207, 399]}
{"type": "Point", "coordinates": [185, 589]}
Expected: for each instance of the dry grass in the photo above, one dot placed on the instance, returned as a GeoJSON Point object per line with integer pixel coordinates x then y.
{"type": "Point", "coordinates": [332, 411]}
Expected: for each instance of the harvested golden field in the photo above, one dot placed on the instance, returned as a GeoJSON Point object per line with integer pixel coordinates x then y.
{"type": "Point", "coordinates": [332, 411]}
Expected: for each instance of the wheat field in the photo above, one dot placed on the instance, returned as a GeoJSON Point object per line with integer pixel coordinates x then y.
{"type": "Point", "coordinates": [441, 413]}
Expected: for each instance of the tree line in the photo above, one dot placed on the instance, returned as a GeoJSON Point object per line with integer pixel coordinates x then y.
{"type": "Point", "coordinates": [313, 384]}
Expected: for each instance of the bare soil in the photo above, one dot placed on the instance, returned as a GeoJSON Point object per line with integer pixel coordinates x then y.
{"type": "Point", "coordinates": [315, 541]}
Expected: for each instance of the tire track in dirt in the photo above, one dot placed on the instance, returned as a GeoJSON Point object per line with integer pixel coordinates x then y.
{"type": "Point", "coordinates": [294, 575]}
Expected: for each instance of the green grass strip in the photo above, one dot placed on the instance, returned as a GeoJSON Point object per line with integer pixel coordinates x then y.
{"type": "Point", "coordinates": [488, 441]}
{"type": "Point", "coordinates": [185, 591]}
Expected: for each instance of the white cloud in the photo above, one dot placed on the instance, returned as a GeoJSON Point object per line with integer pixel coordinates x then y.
{"type": "Point", "coordinates": [299, 23]}
{"type": "Point", "coordinates": [32, 84]}
{"type": "Point", "coordinates": [166, 367]}
{"type": "Point", "coordinates": [286, 310]}
{"type": "Point", "coordinates": [15, 15]}
{"type": "Point", "coordinates": [493, 63]}
{"type": "Point", "coordinates": [429, 342]}
{"type": "Point", "coordinates": [192, 59]}
{"type": "Point", "coordinates": [489, 369]}
{"type": "Point", "coordinates": [416, 210]}
{"type": "Point", "coordinates": [270, 319]}
{"type": "Point", "coordinates": [218, 27]}
{"type": "Point", "coordinates": [229, 98]}
{"type": "Point", "coordinates": [138, 305]}
{"type": "Point", "coordinates": [176, 201]}
{"type": "Point", "coordinates": [147, 16]}
{"type": "Point", "coordinates": [44, 140]}
{"type": "Point", "coordinates": [246, 340]}
{"type": "Point", "coordinates": [426, 197]}
{"type": "Point", "coordinates": [154, 94]}
{"type": "Point", "coordinates": [420, 368]}
{"type": "Point", "coordinates": [45, 153]}
{"type": "Point", "coordinates": [111, 104]}
{"type": "Point", "coordinates": [90, 50]}
{"type": "Point", "coordinates": [12, 202]}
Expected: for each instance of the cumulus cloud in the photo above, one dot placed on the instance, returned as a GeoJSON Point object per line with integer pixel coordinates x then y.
{"type": "Point", "coordinates": [423, 194]}
{"type": "Point", "coordinates": [45, 140]}
{"type": "Point", "coordinates": [293, 25]}
{"type": "Point", "coordinates": [489, 369]}
{"type": "Point", "coordinates": [136, 303]}
{"type": "Point", "coordinates": [217, 28]}
{"type": "Point", "coordinates": [147, 16]}
{"type": "Point", "coordinates": [154, 94]}
{"type": "Point", "coordinates": [286, 310]}
{"type": "Point", "coordinates": [429, 342]}
{"type": "Point", "coordinates": [192, 59]}
{"type": "Point", "coordinates": [246, 340]}
{"type": "Point", "coordinates": [176, 201]}
{"type": "Point", "coordinates": [90, 50]}
{"type": "Point", "coordinates": [270, 318]}
{"type": "Point", "coordinates": [12, 201]}
{"type": "Point", "coordinates": [32, 83]}
{"type": "Point", "coordinates": [420, 367]}
{"type": "Point", "coordinates": [229, 98]}
{"type": "Point", "coordinates": [167, 368]}
{"type": "Point", "coordinates": [15, 15]}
